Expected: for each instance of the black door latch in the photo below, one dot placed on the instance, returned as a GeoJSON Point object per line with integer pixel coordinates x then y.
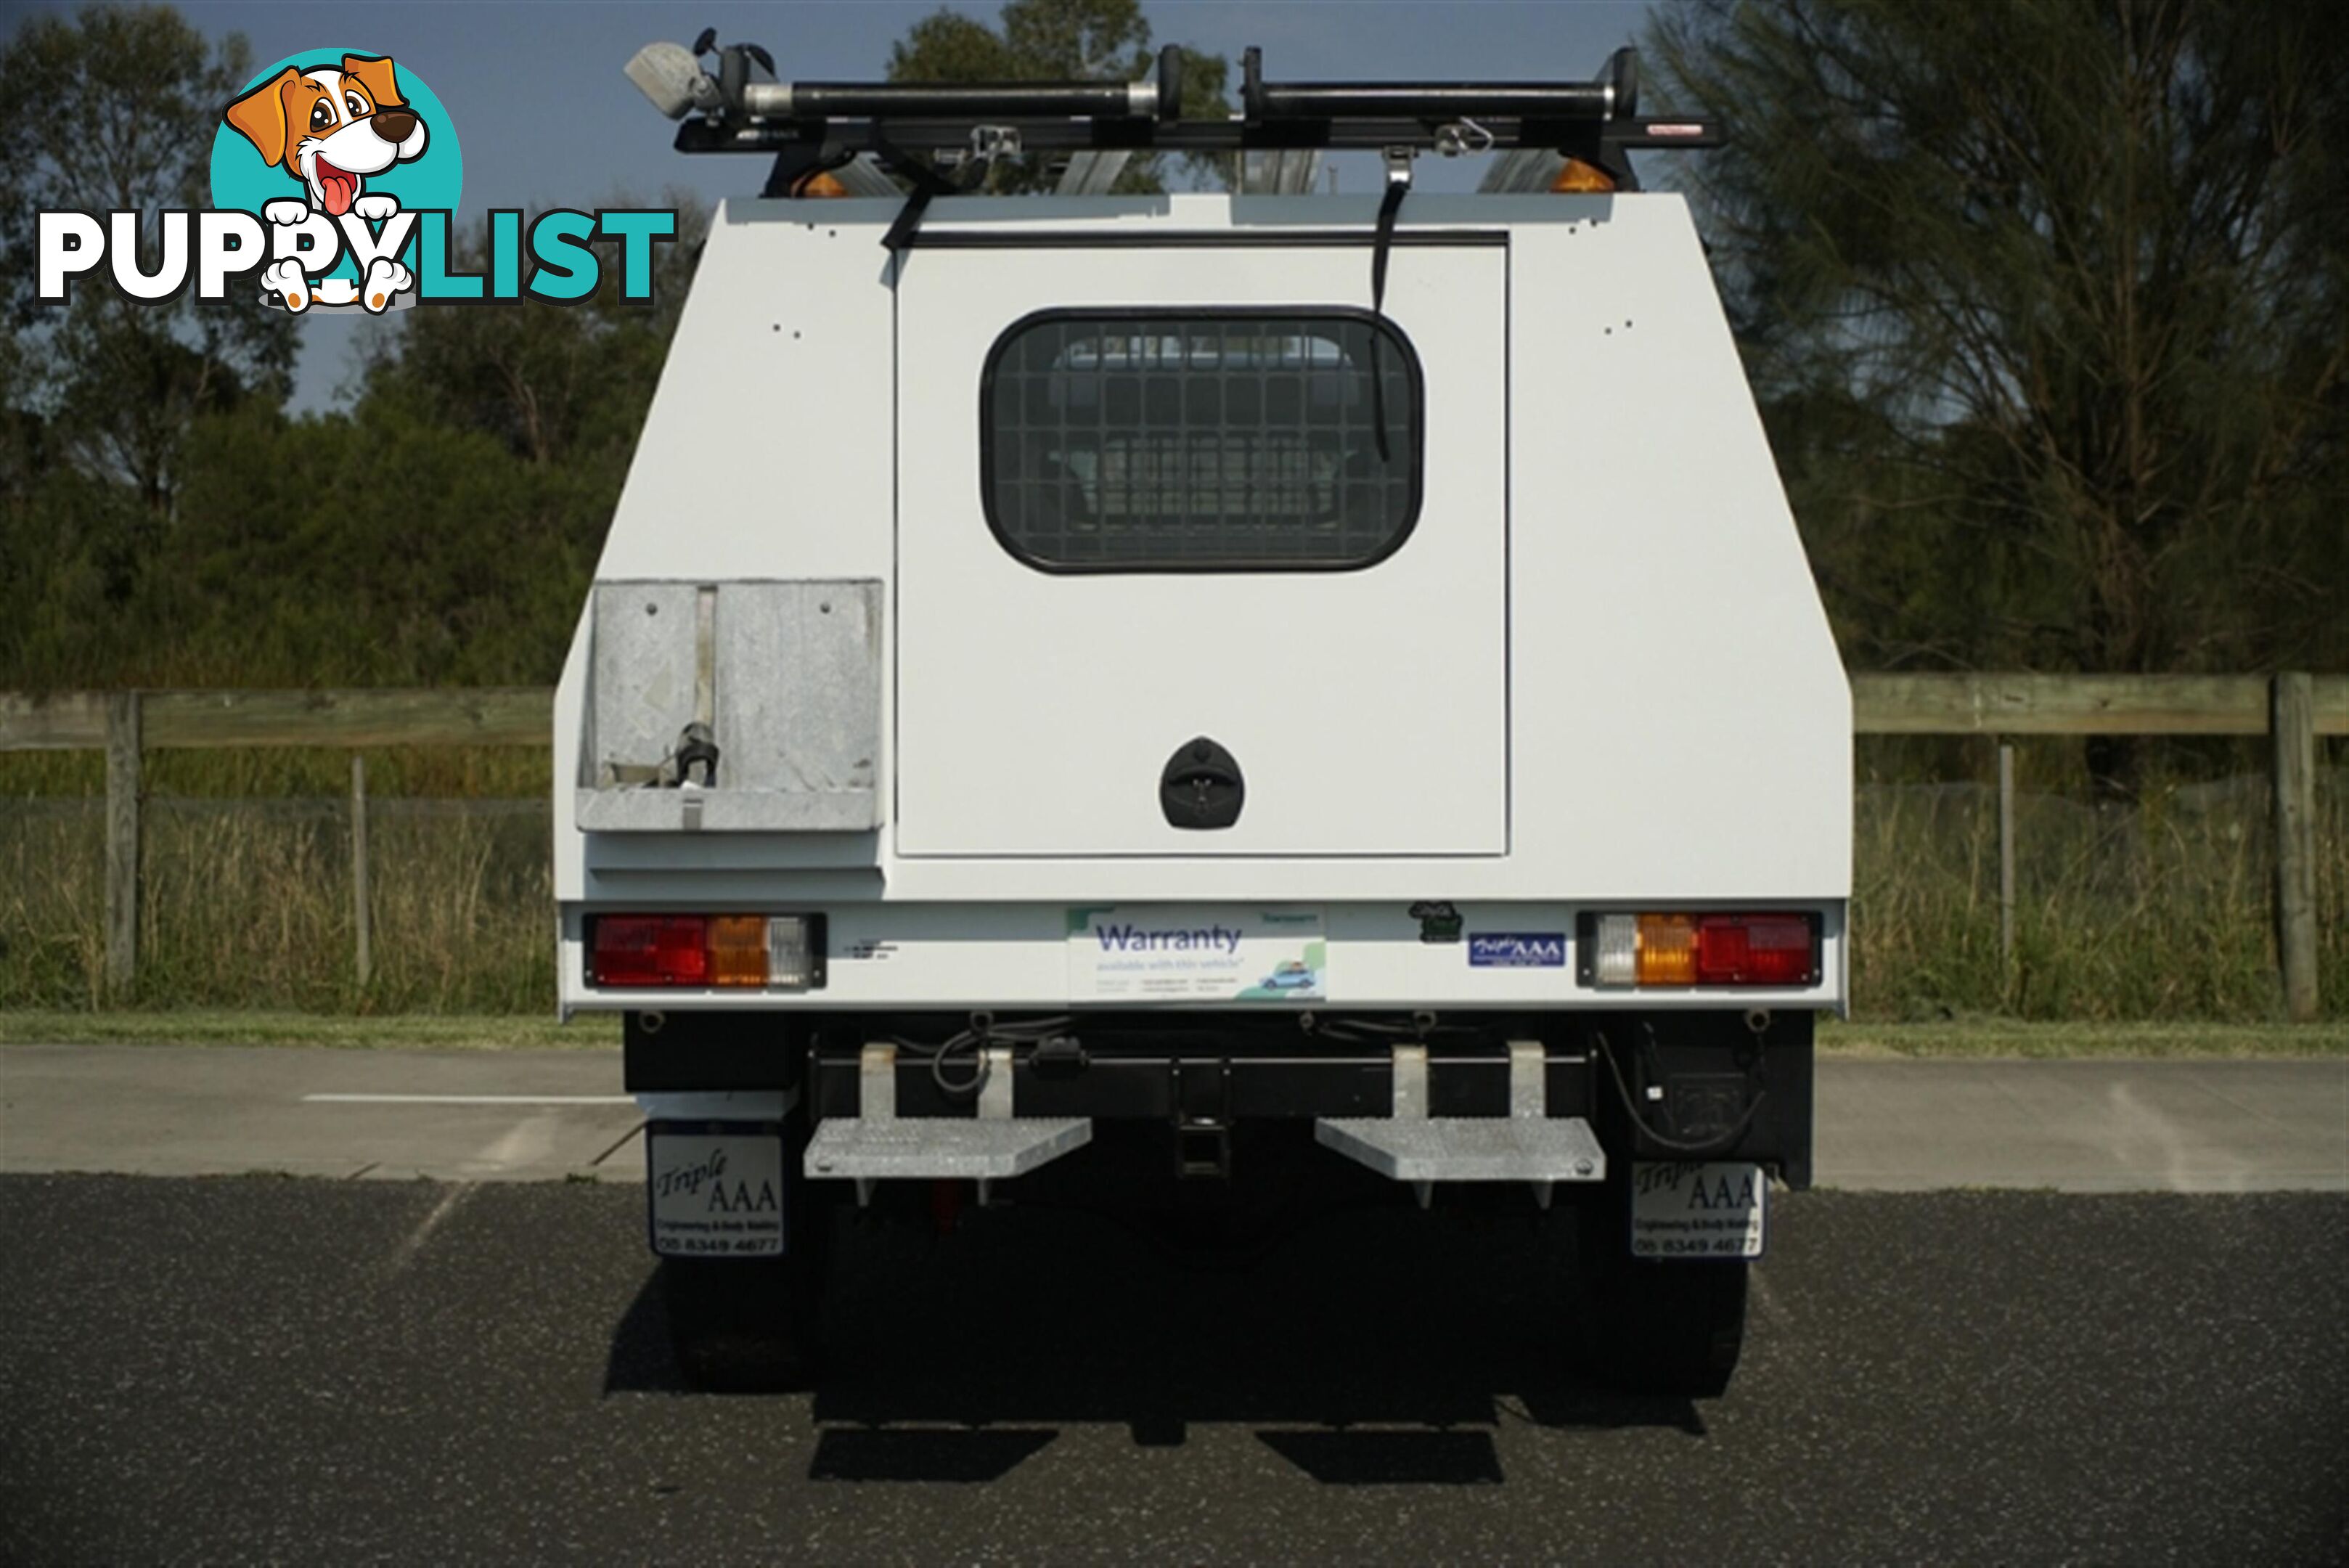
{"type": "Point", "coordinates": [1201, 786]}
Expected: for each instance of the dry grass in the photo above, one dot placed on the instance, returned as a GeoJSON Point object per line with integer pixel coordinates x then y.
{"type": "Point", "coordinates": [247, 904]}
{"type": "Point", "coordinates": [2015, 1038]}
{"type": "Point", "coordinates": [2156, 913]}
{"type": "Point", "coordinates": [405, 1031]}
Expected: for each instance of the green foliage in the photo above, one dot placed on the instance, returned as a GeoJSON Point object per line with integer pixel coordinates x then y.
{"type": "Point", "coordinates": [163, 520]}
{"type": "Point", "coordinates": [2154, 912]}
{"type": "Point", "coordinates": [565, 387]}
{"type": "Point", "coordinates": [1062, 40]}
{"type": "Point", "coordinates": [2048, 309]}
{"type": "Point", "coordinates": [949, 47]}
{"type": "Point", "coordinates": [441, 532]}
{"type": "Point", "coordinates": [2157, 909]}
{"type": "Point", "coordinates": [113, 385]}
{"type": "Point", "coordinates": [249, 904]}
{"type": "Point", "coordinates": [100, 397]}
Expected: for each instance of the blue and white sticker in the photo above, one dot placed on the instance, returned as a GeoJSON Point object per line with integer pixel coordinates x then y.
{"type": "Point", "coordinates": [1197, 952]}
{"type": "Point", "coordinates": [1516, 949]}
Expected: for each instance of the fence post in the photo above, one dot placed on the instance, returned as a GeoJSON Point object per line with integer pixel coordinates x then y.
{"type": "Point", "coordinates": [2292, 727]}
{"type": "Point", "coordinates": [122, 741]}
{"type": "Point", "coordinates": [2007, 857]}
{"type": "Point", "coordinates": [360, 918]}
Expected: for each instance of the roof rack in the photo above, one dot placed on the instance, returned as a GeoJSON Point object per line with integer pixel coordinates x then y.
{"type": "Point", "coordinates": [913, 128]}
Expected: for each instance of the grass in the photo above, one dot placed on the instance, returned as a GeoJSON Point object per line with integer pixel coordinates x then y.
{"type": "Point", "coordinates": [460, 1031]}
{"type": "Point", "coordinates": [2160, 911]}
{"type": "Point", "coordinates": [246, 905]}
{"type": "Point", "coordinates": [2007, 1037]}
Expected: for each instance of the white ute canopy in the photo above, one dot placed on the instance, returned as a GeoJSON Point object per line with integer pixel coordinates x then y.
{"type": "Point", "coordinates": [984, 561]}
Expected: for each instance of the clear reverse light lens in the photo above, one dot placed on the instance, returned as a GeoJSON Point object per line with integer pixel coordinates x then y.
{"type": "Point", "coordinates": [1618, 951]}
{"type": "Point", "coordinates": [790, 964]}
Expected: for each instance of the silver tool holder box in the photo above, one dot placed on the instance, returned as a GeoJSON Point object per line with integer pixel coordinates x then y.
{"type": "Point", "coordinates": [783, 679]}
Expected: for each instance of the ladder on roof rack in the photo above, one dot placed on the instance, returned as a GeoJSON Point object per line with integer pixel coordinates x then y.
{"type": "Point", "coordinates": [812, 126]}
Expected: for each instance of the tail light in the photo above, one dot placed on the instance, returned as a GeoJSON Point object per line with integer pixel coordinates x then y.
{"type": "Point", "coordinates": [1667, 950]}
{"type": "Point", "coordinates": [821, 182]}
{"type": "Point", "coordinates": [652, 950]}
{"type": "Point", "coordinates": [1754, 950]}
{"type": "Point", "coordinates": [1582, 178]}
{"type": "Point", "coordinates": [1730, 950]}
{"type": "Point", "coordinates": [738, 950]}
{"type": "Point", "coordinates": [770, 952]}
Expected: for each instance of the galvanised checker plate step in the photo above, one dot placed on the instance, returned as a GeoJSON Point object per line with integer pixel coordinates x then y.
{"type": "Point", "coordinates": [941, 1147]}
{"type": "Point", "coordinates": [1469, 1148]}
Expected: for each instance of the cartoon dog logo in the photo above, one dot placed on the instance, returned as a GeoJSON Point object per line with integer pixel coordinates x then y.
{"type": "Point", "coordinates": [330, 129]}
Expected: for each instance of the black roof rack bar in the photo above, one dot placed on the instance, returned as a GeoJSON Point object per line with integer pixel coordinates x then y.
{"type": "Point", "coordinates": [1596, 120]}
{"type": "Point", "coordinates": [1616, 95]}
{"type": "Point", "coordinates": [1062, 135]}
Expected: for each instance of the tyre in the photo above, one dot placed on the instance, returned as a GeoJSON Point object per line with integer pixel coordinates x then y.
{"type": "Point", "coordinates": [1672, 1328]}
{"type": "Point", "coordinates": [754, 1324]}
{"type": "Point", "coordinates": [741, 1325]}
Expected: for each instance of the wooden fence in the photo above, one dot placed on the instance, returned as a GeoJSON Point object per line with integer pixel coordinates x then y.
{"type": "Point", "coordinates": [2291, 709]}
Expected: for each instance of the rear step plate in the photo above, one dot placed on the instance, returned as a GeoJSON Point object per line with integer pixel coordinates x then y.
{"type": "Point", "coordinates": [1469, 1148]}
{"type": "Point", "coordinates": [941, 1147]}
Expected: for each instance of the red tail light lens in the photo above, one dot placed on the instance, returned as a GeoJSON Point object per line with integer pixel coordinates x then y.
{"type": "Point", "coordinates": [768, 952]}
{"type": "Point", "coordinates": [1754, 950]}
{"type": "Point", "coordinates": [651, 950]}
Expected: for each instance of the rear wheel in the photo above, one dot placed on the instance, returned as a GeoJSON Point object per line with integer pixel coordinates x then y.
{"type": "Point", "coordinates": [1655, 1328]}
{"type": "Point", "coordinates": [754, 1324]}
{"type": "Point", "coordinates": [743, 1326]}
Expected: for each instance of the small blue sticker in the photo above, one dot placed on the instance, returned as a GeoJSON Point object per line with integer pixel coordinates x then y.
{"type": "Point", "coordinates": [1519, 950]}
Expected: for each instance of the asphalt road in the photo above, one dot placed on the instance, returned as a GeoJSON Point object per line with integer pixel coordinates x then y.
{"type": "Point", "coordinates": [2102, 1125]}
{"type": "Point", "coordinates": [316, 1371]}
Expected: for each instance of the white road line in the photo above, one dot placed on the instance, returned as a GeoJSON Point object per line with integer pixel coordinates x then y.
{"type": "Point", "coordinates": [469, 1099]}
{"type": "Point", "coordinates": [404, 1253]}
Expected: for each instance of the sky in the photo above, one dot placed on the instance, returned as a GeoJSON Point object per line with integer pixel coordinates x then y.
{"type": "Point", "coordinates": [546, 117]}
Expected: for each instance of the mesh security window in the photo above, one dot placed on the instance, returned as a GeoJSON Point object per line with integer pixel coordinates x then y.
{"type": "Point", "coordinates": [1185, 440]}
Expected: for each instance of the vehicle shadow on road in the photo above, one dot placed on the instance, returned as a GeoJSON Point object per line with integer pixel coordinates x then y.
{"type": "Point", "coordinates": [1372, 1346]}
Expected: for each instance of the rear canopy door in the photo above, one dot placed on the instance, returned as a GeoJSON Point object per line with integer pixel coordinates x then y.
{"type": "Point", "coordinates": [1148, 496]}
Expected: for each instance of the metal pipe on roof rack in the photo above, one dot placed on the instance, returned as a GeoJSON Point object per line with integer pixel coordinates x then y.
{"type": "Point", "coordinates": [1425, 100]}
{"type": "Point", "coordinates": [993, 100]}
{"type": "Point", "coordinates": [1615, 95]}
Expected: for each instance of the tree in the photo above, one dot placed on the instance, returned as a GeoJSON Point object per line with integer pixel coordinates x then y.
{"type": "Point", "coordinates": [1061, 40]}
{"type": "Point", "coordinates": [2047, 302]}
{"type": "Point", "coordinates": [447, 527]}
{"type": "Point", "coordinates": [99, 398]}
{"type": "Point", "coordinates": [552, 386]}
{"type": "Point", "coordinates": [444, 529]}
{"type": "Point", "coordinates": [119, 381]}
